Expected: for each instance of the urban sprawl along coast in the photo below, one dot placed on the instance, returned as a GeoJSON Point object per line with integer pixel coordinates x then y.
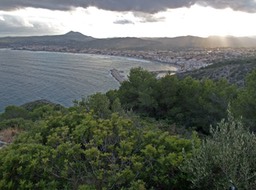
{"type": "Point", "coordinates": [186, 59]}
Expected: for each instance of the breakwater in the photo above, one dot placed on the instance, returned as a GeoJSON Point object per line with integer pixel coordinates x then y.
{"type": "Point", "coordinates": [116, 74]}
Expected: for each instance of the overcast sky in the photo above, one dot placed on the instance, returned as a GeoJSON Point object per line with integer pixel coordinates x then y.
{"type": "Point", "coordinates": [133, 18]}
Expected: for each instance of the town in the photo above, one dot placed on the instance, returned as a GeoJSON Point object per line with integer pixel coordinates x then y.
{"type": "Point", "coordinates": [186, 59]}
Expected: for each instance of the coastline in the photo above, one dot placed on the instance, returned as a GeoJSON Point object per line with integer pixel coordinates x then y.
{"type": "Point", "coordinates": [143, 56]}
{"type": "Point", "coordinates": [182, 60]}
{"type": "Point", "coordinates": [121, 64]}
{"type": "Point", "coordinates": [112, 53]}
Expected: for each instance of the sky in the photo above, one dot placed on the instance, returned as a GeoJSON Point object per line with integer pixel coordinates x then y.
{"type": "Point", "coordinates": [128, 18]}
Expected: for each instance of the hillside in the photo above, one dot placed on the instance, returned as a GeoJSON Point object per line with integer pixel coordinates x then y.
{"type": "Point", "coordinates": [140, 136]}
{"type": "Point", "coordinates": [80, 41]}
{"type": "Point", "coordinates": [69, 39]}
{"type": "Point", "coordinates": [210, 42]}
{"type": "Point", "coordinates": [234, 71]}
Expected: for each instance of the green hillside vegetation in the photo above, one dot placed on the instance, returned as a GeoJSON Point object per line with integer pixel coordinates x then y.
{"type": "Point", "coordinates": [167, 133]}
{"type": "Point", "coordinates": [234, 71]}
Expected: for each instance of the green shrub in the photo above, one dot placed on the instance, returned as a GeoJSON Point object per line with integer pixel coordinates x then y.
{"type": "Point", "coordinates": [229, 154]}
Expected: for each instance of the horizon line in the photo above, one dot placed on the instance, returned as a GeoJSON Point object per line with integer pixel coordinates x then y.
{"type": "Point", "coordinates": [62, 34]}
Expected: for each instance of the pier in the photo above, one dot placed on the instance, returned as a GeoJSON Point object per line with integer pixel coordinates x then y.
{"type": "Point", "coordinates": [116, 74]}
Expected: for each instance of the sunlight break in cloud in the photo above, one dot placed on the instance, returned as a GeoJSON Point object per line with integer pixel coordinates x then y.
{"type": "Point", "coordinates": [196, 20]}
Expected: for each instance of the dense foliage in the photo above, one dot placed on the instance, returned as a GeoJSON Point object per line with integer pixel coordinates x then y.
{"type": "Point", "coordinates": [131, 138]}
{"type": "Point", "coordinates": [226, 158]}
{"type": "Point", "coordinates": [186, 102]}
{"type": "Point", "coordinates": [75, 150]}
{"type": "Point", "coordinates": [245, 105]}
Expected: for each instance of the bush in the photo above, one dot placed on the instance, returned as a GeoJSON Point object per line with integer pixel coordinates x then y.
{"type": "Point", "coordinates": [77, 150]}
{"type": "Point", "coordinates": [229, 154]}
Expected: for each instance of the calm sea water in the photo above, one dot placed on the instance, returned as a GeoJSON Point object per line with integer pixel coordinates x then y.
{"type": "Point", "coordinates": [26, 76]}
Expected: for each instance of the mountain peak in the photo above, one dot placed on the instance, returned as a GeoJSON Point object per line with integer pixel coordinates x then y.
{"type": "Point", "coordinates": [77, 36]}
{"type": "Point", "coordinates": [72, 33]}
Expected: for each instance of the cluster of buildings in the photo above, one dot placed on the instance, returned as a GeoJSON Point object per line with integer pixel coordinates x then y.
{"type": "Point", "coordinates": [186, 59]}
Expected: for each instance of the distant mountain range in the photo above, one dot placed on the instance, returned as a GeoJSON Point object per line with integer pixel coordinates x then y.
{"type": "Point", "coordinates": [69, 39]}
{"type": "Point", "coordinates": [78, 40]}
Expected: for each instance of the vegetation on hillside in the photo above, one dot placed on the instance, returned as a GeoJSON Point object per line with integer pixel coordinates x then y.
{"type": "Point", "coordinates": [225, 158]}
{"type": "Point", "coordinates": [234, 71]}
{"type": "Point", "coordinates": [185, 102]}
{"type": "Point", "coordinates": [145, 135]}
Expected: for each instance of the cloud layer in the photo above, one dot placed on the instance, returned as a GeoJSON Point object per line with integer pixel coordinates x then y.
{"type": "Point", "coordinates": [12, 25]}
{"type": "Point", "coordinates": [148, 6]}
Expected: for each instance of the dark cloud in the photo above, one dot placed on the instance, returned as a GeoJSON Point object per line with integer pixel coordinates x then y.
{"type": "Point", "coordinates": [238, 5]}
{"type": "Point", "coordinates": [148, 6]}
{"type": "Point", "coordinates": [124, 21]}
{"type": "Point", "coordinates": [151, 6]}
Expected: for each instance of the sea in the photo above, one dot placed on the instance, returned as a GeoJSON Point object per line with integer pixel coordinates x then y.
{"type": "Point", "coordinates": [26, 76]}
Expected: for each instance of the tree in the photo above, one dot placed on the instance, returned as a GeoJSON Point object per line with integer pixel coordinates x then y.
{"type": "Point", "coordinates": [12, 112]}
{"type": "Point", "coordinates": [98, 102]}
{"type": "Point", "coordinates": [167, 96]}
{"type": "Point", "coordinates": [138, 92]}
{"type": "Point", "coordinates": [116, 107]}
{"type": "Point", "coordinates": [245, 105]}
{"type": "Point", "coordinates": [193, 103]}
{"type": "Point", "coordinates": [227, 155]}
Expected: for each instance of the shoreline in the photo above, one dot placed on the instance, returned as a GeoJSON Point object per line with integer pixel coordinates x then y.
{"type": "Point", "coordinates": [115, 79]}
{"type": "Point", "coordinates": [182, 60]}
{"type": "Point", "coordinates": [176, 67]}
{"type": "Point", "coordinates": [114, 53]}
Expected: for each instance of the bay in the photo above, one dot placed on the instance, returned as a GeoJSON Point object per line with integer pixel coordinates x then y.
{"type": "Point", "coordinates": [27, 76]}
